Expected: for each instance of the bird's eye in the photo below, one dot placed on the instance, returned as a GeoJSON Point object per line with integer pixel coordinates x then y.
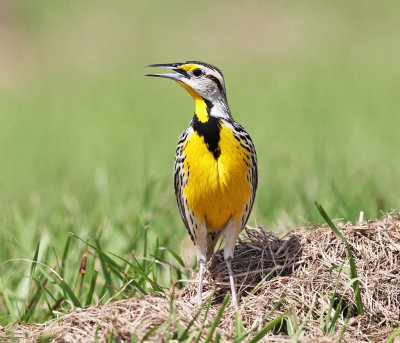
{"type": "Point", "coordinates": [197, 72]}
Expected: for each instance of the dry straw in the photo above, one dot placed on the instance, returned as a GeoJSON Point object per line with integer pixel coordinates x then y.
{"type": "Point", "coordinates": [300, 268]}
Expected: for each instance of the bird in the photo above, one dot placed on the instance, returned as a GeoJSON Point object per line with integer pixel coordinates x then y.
{"type": "Point", "coordinates": [215, 169]}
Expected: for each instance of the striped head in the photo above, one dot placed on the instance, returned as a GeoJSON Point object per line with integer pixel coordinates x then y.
{"type": "Point", "coordinates": [198, 78]}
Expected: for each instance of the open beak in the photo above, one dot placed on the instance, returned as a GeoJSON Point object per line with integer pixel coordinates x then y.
{"type": "Point", "coordinates": [177, 76]}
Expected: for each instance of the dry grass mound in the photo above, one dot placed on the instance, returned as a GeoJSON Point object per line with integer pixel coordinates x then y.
{"type": "Point", "coordinates": [300, 266]}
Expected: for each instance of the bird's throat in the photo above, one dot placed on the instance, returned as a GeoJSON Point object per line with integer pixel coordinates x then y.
{"type": "Point", "coordinates": [202, 106]}
{"type": "Point", "coordinates": [201, 110]}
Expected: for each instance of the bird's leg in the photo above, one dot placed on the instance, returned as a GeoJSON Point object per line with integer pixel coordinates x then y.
{"type": "Point", "coordinates": [233, 288]}
{"type": "Point", "coordinates": [201, 263]}
{"type": "Point", "coordinates": [201, 251]}
{"type": "Point", "coordinates": [231, 233]}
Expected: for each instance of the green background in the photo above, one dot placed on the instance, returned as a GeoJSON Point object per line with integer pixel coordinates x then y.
{"type": "Point", "coordinates": [87, 142]}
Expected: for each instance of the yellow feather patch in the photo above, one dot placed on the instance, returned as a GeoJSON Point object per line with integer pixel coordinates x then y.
{"type": "Point", "coordinates": [188, 67]}
{"type": "Point", "coordinates": [217, 189]}
{"type": "Point", "coordinates": [200, 105]}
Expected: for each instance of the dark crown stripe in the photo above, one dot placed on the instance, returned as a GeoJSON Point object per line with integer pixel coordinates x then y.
{"type": "Point", "coordinates": [205, 65]}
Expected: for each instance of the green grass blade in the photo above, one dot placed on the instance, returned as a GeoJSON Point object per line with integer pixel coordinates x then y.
{"type": "Point", "coordinates": [185, 333]}
{"type": "Point", "coordinates": [53, 294]}
{"type": "Point", "coordinates": [256, 288]}
{"type": "Point", "coordinates": [81, 272]}
{"type": "Point", "coordinates": [356, 285]}
{"type": "Point", "coordinates": [106, 273]}
{"type": "Point", "coordinates": [191, 337]}
{"type": "Point", "coordinates": [270, 326]}
{"type": "Point", "coordinates": [299, 330]}
{"type": "Point", "coordinates": [155, 272]}
{"type": "Point", "coordinates": [89, 296]}
{"type": "Point", "coordinates": [148, 333]}
{"type": "Point", "coordinates": [111, 337]}
{"type": "Point", "coordinates": [69, 292]}
{"type": "Point", "coordinates": [63, 286]}
{"type": "Point", "coordinates": [57, 261]}
{"type": "Point", "coordinates": [290, 324]}
{"type": "Point", "coordinates": [274, 308]}
{"type": "Point", "coordinates": [145, 248]}
{"type": "Point", "coordinates": [105, 262]}
{"type": "Point", "coordinates": [217, 318]}
{"type": "Point", "coordinates": [106, 259]}
{"type": "Point", "coordinates": [142, 273]}
{"type": "Point", "coordinates": [49, 313]}
{"type": "Point", "coordinates": [10, 308]}
{"type": "Point", "coordinates": [325, 328]}
{"type": "Point", "coordinates": [33, 266]}
{"type": "Point", "coordinates": [31, 276]}
{"type": "Point", "coordinates": [98, 326]}
{"type": "Point", "coordinates": [160, 260]}
{"type": "Point", "coordinates": [335, 318]}
{"type": "Point", "coordinates": [209, 301]}
{"type": "Point", "coordinates": [238, 328]}
{"type": "Point", "coordinates": [341, 268]}
{"type": "Point", "coordinates": [393, 335]}
{"type": "Point", "coordinates": [175, 256]}
{"type": "Point", "coordinates": [137, 285]}
{"type": "Point", "coordinates": [332, 327]}
{"type": "Point", "coordinates": [345, 323]}
{"type": "Point", "coordinates": [64, 256]}
{"type": "Point", "coordinates": [35, 299]}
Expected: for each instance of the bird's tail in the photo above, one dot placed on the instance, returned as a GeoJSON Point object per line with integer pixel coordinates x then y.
{"type": "Point", "coordinates": [212, 239]}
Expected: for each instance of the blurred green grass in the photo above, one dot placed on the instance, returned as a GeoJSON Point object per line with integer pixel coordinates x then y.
{"type": "Point", "coordinates": [87, 142]}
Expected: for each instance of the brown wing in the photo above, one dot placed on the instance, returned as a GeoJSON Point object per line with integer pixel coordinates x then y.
{"type": "Point", "coordinates": [246, 142]}
{"type": "Point", "coordinates": [212, 238]}
{"type": "Point", "coordinates": [180, 180]}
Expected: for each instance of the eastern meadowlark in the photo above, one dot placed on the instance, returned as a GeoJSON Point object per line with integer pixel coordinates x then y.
{"type": "Point", "coordinates": [215, 174]}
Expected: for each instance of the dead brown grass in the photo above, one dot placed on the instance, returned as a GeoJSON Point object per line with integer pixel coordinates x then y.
{"type": "Point", "coordinates": [302, 261]}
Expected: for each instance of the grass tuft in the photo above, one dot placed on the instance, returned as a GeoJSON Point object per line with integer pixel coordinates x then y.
{"type": "Point", "coordinates": [353, 269]}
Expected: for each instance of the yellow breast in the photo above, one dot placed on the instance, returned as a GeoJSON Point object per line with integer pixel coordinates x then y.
{"type": "Point", "coordinates": [217, 189]}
